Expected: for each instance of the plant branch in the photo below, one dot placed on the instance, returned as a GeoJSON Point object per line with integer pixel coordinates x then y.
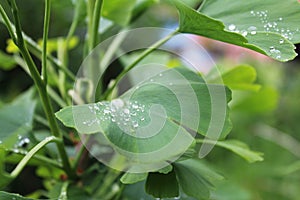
{"type": "Point", "coordinates": [31, 153]}
{"type": "Point", "coordinates": [96, 23]}
{"type": "Point", "coordinates": [201, 5]}
{"type": "Point", "coordinates": [139, 59]}
{"type": "Point", "coordinates": [41, 86]}
{"type": "Point", "coordinates": [40, 158]}
{"type": "Point", "coordinates": [45, 39]}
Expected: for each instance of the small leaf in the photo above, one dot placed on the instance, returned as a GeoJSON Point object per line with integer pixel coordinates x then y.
{"type": "Point", "coordinates": [5, 178]}
{"type": "Point", "coordinates": [119, 14]}
{"type": "Point", "coordinates": [267, 43]}
{"type": "Point", "coordinates": [6, 195]}
{"type": "Point", "coordinates": [239, 78]}
{"type": "Point", "coordinates": [195, 178]}
{"type": "Point", "coordinates": [53, 43]}
{"type": "Point", "coordinates": [7, 62]}
{"type": "Point", "coordinates": [16, 119]}
{"type": "Point", "coordinates": [241, 149]}
{"type": "Point", "coordinates": [265, 100]}
{"type": "Point", "coordinates": [11, 46]}
{"type": "Point", "coordinates": [166, 169]}
{"type": "Point", "coordinates": [130, 178]}
{"type": "Point", "coordinates": [162, 185]}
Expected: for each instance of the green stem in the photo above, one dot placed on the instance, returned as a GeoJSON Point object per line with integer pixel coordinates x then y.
{"type": "Point", "coordinates": [35, 50]}
{"type": "Point", "coordinates": [109, 53]}
{"type": "Point", "coordinates": [33, 47]}
{"type": "Point", "coordinates": [90, 6]}
{"type": "Point", "coordinates": [139, 59]}
{"type": "Point", "coordinates": [108, 180]}
{"type": "Point", "coordinates": [79, 156]}
{"type": "Point", "coordinates": [31, 153]}
{"type": "Point", "coordinates": [72, 29]}
{"type": "Point", "coordinates": [201, 6]}
{"type": "Point", "coordinates": [63, 193]}
{"type": "Point", "coordinates": [45, 39]}
{"type": "Point", "coordinates": [41, 86]}
{"type": "Point", "coordinates": [95, 24]}
{"type": "Point", "coordinates": [45, 160]}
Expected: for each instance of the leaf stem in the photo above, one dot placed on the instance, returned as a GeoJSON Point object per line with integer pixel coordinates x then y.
{"type": "Point", "coordinates": [96, 23]}
{"type": "Point", "coordinates": [31, 153]}
{"type": "Point", "coordinates": [45, 39]}
{"type": "Point", "coordinates": [79, 156]}
{"type": "Point", "coordinates": [201, 5]}
{"type": "Point", "coordinates": [45, 160]}
{"type": "Point", "coordinates": [41, 86]}
{"type": "Point", "coordinates": [139, 59]}
{"type": "Point", "coordinates": [33, 47]}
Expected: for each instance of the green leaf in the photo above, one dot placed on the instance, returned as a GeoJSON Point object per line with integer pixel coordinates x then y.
{"type": "Point", "coordinates": [162, 185]}
{"type": "Point", "coordinates": [166, 169]}
{"type": "Point", "coordinates": [239, 78]}
{"type": "Point", "coordinates": [265, 100]}
{"type": "Point", "coordinates": [130, 178]}
{"type": "Point", "coordinates": [16, 119]}
{"type": "Point", "coordinates": [241, 149]}
{"type": "Point", "coordinates": [118, 11]}
{"type": "Point", "coordinates": [266, 16]}
{"type": "Point", "coordinates": [141, 6]}
{"type": "Point", "coordinates": [6, 195]}
{"type": "Point", "coordinates": [268, 43]}
{"type": "Point", "coordinates": [290, 169]}
{"type": "Point", "coordinates": [7, 62]}
{"type": "Point", "coordinates": [195, 178]}
{"type": "Point", "coordinates": [155, 115]}
{"type": "Point", "coordinates": [5, 178]}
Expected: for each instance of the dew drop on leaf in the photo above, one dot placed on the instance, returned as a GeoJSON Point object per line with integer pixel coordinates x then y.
{"type": "Point", "coordinates": [281, 41]}
{"type": "Point", "coordinates": [231, 27]}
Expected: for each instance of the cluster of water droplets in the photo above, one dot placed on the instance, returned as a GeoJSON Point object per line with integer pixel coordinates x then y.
{"type": "Point", "coordinates": [273, 25]}
{"type": "Point", "coordinates": [251, 30]}
{"type": "Point", "coordinates": [128, 115]}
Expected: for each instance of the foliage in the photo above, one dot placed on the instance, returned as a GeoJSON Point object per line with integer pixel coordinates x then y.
{"type": "Point", "coordinates": [49, 127]}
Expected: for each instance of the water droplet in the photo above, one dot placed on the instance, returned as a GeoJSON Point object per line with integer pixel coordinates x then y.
{"type": "Point", "coordinates": [160, 75]}
{"type": "Point", "coordinates": [252, 30]}
{"type": "Point", "coordinates": [151, 80]}
{"type": "Point", "coordinates": [135, 106]}
{"type": "Point", "coordinates": [142, 119]}
{"type": "Point", "coordinates": [106, 111]}
{"type": "Point", "coordinates": [127, 119]}
{"type": "Point", "coordinates": [23, 142]}
{"type": "Point", "coordinates": [16, 151]}
{"type": "Point", "coordinates": [135, 124]}
{"type": "Point", "coordinates": [117, 103]}
{"type": "Point", "coordinates": [244, 33]}
{"type": "Point", "coordinates": [281, 41]}
{"type": "Point", "coordinates": [133, 113]}
{"type": "Point", "coordinates": [280, 19]}
{"type": "Point", "coordinates": [126, 111]}
{"type": "Point", "coordinates": [252, 12]}
{"type": "Point", "coordinates": [231, 27]}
